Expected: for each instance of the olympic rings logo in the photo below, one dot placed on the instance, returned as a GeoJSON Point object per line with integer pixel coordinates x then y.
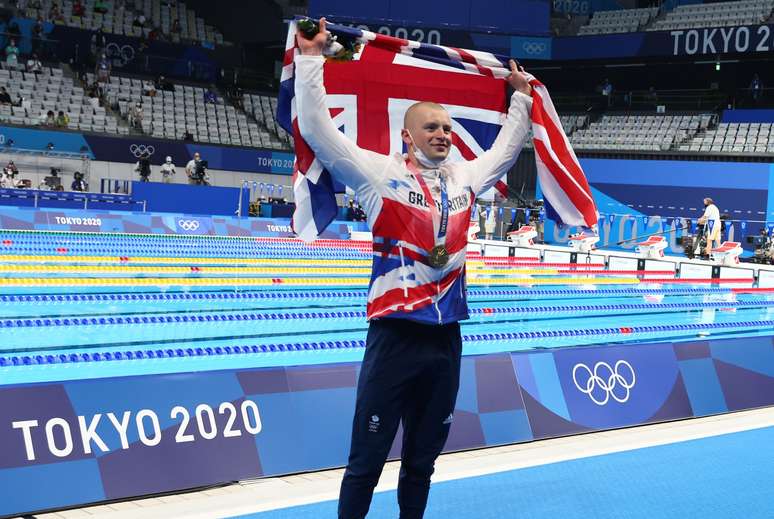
{"type": "Point", "coordinates": [124, 53]}
{"type": "Point", "coordinates": [607, 379]}
{"type": "Point", "coordinates": [188, 225]}
{"type": "Point", "coordinates": [141, 150]}
{"type": "Point", "coordinates": [533, 47]}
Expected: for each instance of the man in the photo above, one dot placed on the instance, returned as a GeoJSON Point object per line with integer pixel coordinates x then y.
{"type": "Point", "coordinates": [78, 183]}
{"type": "Point", "coordinates": [192, 169]}
{"type": "Point", "coordinates": [410, 371]}
{"type": "Point", "coordinates": [62, 120]}
{"type": "Point", "coordinates": [711, 230]}
{"type": "Point", "coordinates": [167, 170]}
{"type": "Point", "coordinates": [143, 168]}
{"type": "Point", "coordinates": [5, 97]}
{"type": "Point", "coordinates": [34, 65]}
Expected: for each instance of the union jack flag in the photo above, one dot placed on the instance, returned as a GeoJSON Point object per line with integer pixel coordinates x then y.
{"type": "Point", "coordinates": [368, 96]}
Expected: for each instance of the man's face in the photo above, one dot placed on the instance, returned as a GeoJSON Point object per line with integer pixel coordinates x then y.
{"type": "Point", "coordinates": [430, 129]}
{"type": "Point", "coordinates": [196, 156]}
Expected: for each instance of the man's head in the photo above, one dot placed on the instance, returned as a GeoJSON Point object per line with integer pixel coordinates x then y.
{"type": "Point", "coordinates": [169, 159]}
{"type": "Point", "coordinates": [427, 127]}
{"type": "Point", "coordinates": [197, 156]}
{"type": "Point", "coordinates": [708, 201]}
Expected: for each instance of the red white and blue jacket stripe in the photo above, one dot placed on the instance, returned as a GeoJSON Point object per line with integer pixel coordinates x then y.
{"type": "Point", "coordinates": [403, 284]}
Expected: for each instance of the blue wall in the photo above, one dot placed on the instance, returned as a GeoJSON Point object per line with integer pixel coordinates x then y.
{"type": "Point", "coordinates": [662, 191]}
{"type": "Point", "coordinates": [507, 16]}
{"type": "Point", "coordinates": [182, 198]}
{"type": "Point", "coordinates": [748, 116]}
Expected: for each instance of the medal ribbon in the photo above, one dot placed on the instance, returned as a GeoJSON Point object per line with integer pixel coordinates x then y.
{"type": "Point", "coordinates": [443, 218]}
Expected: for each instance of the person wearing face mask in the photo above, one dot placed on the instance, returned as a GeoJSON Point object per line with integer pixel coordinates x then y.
{"type": "Point", "coordinates": [418, 207]}
{"type": "Point", "coordinates": [167, 170]}
{"type": "Point", "coordinates": [711, 230]}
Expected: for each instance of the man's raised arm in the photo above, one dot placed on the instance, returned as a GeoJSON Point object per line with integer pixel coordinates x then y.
{"type": "Point", "coordinates": [348, 163]}
{"type": "Point", "coordinates": [482, 173]}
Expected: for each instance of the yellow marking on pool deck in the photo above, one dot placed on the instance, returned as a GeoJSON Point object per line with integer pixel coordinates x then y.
{"type": "Point", "coordinates": [344, 281]}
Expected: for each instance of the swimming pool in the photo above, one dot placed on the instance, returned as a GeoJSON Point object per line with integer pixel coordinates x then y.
{"type": "Point", "coordinates": [78, 306]}
{"type": "Point", "coordinates": [139, 364]}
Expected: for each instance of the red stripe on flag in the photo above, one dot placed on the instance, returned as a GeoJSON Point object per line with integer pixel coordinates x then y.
{"type": "Point", "coordinates": [465, 150]}
{"type": "Point", "coordinates": [469, 58]}
{"type": "Point", "coordinates": [573, 192]}
{"type": "Point", "coordinates": [502, 188]}
{"type": "Point", "coordinates": [304, 154]}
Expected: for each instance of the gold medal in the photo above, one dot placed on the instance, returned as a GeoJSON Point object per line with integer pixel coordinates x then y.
{"type": "Point", "coordinates": [438, 256]}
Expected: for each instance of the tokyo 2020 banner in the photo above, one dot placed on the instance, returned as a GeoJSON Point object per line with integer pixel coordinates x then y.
{"type": "Point", "coordinates": [86, 441]}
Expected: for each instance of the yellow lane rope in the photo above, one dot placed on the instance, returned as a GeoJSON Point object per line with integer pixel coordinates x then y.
{"type": "Point", "coordinates": [344, 281]}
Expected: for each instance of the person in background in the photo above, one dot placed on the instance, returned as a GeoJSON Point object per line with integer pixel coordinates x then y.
{"type": "Point", "coordinates": [756, 88]}
{"type": "Point", "coordinates": [78, 183]}
{"type": "Point", "coordinates": [490, 224]}
{"type": "Point", "coordinates": [711, 220]}
{"type": "Point", "coordinates": [12, 54]}
{"type": "Point", "coordinates": [62, 120]}
{"type": "Point", "coordinates": [34, 65]}
{"type": "Point", "coordinates": [191, 167]}
{"type": "Point", "coordinates": [5, 97]}
{"type": "Point", "coordinates": [143, 168]}
{"type": "Point", "coordinates": [135, 116]}
{"type": "Point", "coordinates": [148, 88]}
{"type": "Point", "coordinates": [210, 96]}
{"type": "Point", "coordinates": [102, 69]}
{"type": "Point", "coordinates": [49, 119]}
{"type": "Point", "coordinates": [78, 9]}
{"type": "Point", "coordinates": [167, 170]}
{"type": "Point", "coordinates": [100, 7]}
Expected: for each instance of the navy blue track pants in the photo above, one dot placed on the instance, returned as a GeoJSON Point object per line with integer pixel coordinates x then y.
{"type": "Point", "coordinates": [410, 373]}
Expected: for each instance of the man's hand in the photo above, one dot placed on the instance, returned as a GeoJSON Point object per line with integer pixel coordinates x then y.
{"type": "Point", "coordinates": [518, 79]}
{"type": "Point", "coordinates": [315, 46]}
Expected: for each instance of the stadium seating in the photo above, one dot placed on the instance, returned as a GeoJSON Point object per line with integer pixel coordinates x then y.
{"type": "Point", "coordinates": [169, 115]}
{"type": "Point", "coordinates": [119, 19]}
{"type": "Point", "coordinates": [264, 109]}
{"type": "Point", "coordinates": [719, 14]}
{"type": "Point", "coordinates": [640, 132]}
{"type": "Point", "coordinates": [51, 90]}
{"type": "Point", "coordinates": [570, 123]}
{"type": "Point", "coordinates": [620, 20]}
{"type": "Point", "coordinates": [734, 138]}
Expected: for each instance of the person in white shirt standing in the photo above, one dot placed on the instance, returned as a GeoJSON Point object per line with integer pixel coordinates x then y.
{"type": "Point", "coordinates": [167, 170]}
{"type": "Point", "coordinates": [711, 219]}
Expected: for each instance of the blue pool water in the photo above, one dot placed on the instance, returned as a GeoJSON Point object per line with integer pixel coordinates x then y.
{"type": "Point", "coordinates": [55, 332]}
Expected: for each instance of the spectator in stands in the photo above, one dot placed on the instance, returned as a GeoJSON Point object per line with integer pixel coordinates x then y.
{"type": "Point", "coordinates": [38, 34]}
{"type": "Point", "coordinates": [12, 54]}
{"type": "Point", "coordinates": [78, 9]}
{"type": "Point", "coordinates": [167, 170]}
{"type": "Point", "coordinates": [34, 65]}
{"type": "Point", "coordinates": [711, 220]}
{"type": "Point", "coordinates": [193, 169]}
{"type": "Point", "coordinates": [148, 88]}
{"type": "Point", "coordinates": [62, 119]}
{"type": "Point", "coordinates": [98, 44]}
{"type": "Point", "coordinates": [49, 119]}
{"type": "Point", "coordinates": [78, 183]}
{"type": "Point", "coordinates": [102, 70]}
{"type": "Point", "coordinates": [756, 88]}
{"type": "Point", "coordinates": [100, 7]}
{"type": "Point", "coordinates": [143, 168]}
{"type": "Point", "coordinates": [188, 136]}
{"type": "Point", "coordinates": [139, 20]}
{"type": "Point", "coordinates": [55, 14]}
{"type": "Point", "coordinates": [19, 100]}
{"type": "Point", "coordinates": [163, 84]}
{"type": "Point", "coordinates": [210, 96]}
{"type": "Point", "coordinates": [607, 92]}
{"type": "Point", "coordinates": [5, 97]}
{"type": "Point", "coordinates": [175, 29]}
{"type": "Point", "coordinates": [350, 214]}
{"type": "Point", "coordinates": [135, 116]}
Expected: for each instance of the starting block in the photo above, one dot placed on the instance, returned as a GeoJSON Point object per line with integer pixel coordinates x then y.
{"type": "Point", "coordinates": [652, 248]}
{"type": "Point", "coordinates": [523, 237]}
{"type": "Point", "coordinates": [727, 254]}
{"type": "Point", "coordinates": [583, 242]}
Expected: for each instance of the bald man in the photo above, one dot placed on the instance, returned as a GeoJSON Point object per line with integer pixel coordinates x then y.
{"type": "Point", "coordinates": [418, 207]}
